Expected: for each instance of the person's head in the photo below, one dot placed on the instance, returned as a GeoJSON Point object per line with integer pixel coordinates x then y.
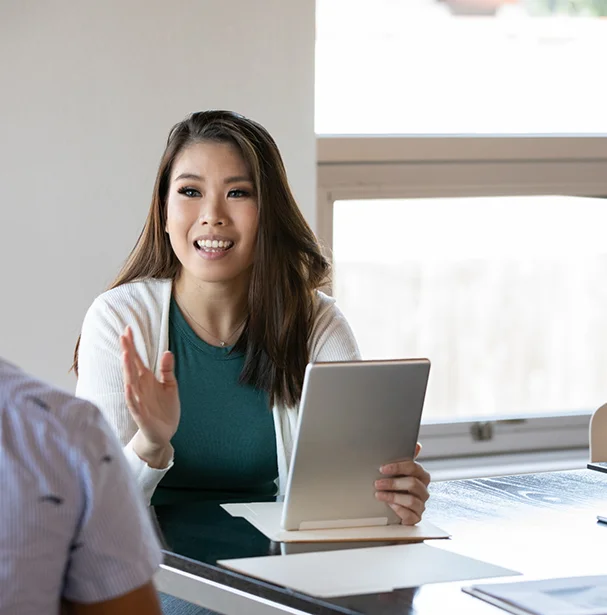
{"type": "Point", "coordinates": [222, 178]}
{"type": "Point", "coordinates": [212, 214]}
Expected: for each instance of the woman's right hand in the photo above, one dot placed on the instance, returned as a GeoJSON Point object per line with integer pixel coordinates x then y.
{"type": "Point", "coordinates": [153, 403]}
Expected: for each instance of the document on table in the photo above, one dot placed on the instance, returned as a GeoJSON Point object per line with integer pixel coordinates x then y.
{"type": "Point", "coordinates": [568, 596]}
{"type": "Point", "coordinates": [365, 571]}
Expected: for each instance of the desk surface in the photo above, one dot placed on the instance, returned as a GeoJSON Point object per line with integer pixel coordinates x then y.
{"type": "Point", "coordinates": [542, 525]}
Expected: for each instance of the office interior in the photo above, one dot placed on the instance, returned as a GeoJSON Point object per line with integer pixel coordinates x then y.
{"type": "Point", "coordinates": [503, 199]}
{"type": "Point", "coordinates": [450, 155]}
{"type": "Point", "coordinates": [495, 210]}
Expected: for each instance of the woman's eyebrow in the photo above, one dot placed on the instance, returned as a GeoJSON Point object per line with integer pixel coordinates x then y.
{"type": "Point", "coordinates": [228, 180]}
{"type": "Point", "coordinates": [237, 178]}
{"type": "Point", "coordinates": [189, 176]}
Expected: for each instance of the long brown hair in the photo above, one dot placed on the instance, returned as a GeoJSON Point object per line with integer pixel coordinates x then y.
{"type": "Point", "coordinates": [288, 263]}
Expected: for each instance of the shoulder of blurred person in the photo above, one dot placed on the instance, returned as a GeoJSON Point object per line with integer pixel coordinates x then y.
{"type": "Point", "coordinates": [74, 525]}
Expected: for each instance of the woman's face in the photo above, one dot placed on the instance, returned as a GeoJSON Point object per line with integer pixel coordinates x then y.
{"type": "Point", "coordinates": [212, 212]}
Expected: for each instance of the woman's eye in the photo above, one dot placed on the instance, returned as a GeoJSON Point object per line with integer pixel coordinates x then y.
{"type": "Point", "coordinates": [238, 194]}
{"type": "Point", "coordinates": [189, 192]}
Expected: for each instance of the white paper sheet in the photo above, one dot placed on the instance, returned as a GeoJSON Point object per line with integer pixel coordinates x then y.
{"type": "Point", "coordinates": [568, 596]}
{"type": "Point", "coordinates": [266, 516]}
{"type": "Point", "coordinates": [363, 571]}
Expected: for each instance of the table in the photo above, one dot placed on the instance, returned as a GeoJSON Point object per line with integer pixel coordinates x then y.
{"type": "Point", "coordinates": [542, 525]}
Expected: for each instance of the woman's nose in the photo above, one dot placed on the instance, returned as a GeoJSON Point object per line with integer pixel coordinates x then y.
{"type": "Point", "coordinates": [212, 213]}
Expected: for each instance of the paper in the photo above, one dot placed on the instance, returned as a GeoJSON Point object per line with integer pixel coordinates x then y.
{"type": "Point", "coordinates": [569, 596]}
{"type": "Point", "coordinates": [329, 574]}
{"type": "Point", "coordinates": [266, 517]}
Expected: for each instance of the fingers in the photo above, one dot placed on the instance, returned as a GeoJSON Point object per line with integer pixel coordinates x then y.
{"type": "Point", "coordinates": [418, 450]}
{"type": "Point", "coordinates": [409, 507]}
{"type": "Point", "coordinates": [127, 343]}
{"type": "Point", "coordinates": [167, 368]}
{"type": "Point", "coordinates": [132, 401]}
{"type": "Point", "coordinates": [131, 384]}
{"type": "Point", "coordinates": [130, 372]}
{"type": "Point", "coordinates": [407, 516]}
{"type": "Point", "coordinates": [406, 484]}
{"type": "Point", "coordinates": [407, 467]}
{"type": "Point", "coordinates": [404, 488]}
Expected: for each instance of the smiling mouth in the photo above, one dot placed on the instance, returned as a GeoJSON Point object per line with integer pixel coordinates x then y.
{"type": "Point", "coordinates": [213, 245]}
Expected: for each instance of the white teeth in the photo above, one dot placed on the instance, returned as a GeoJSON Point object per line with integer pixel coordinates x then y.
{"type": "Point", "coordinates": [214, 243]}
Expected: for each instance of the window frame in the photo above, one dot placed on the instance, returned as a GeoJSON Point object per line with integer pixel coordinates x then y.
{"type": "Point", "coordinates": [375, 167]}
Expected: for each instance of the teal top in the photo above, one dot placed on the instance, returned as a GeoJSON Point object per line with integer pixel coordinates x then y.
{"type": "Point", "coordinates": [225, 446]}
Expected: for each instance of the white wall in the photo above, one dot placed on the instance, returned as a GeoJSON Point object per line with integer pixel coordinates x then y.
{"type": "Point", "coordinates": [88, 92]}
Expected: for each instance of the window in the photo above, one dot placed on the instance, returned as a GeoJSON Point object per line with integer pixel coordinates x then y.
{"type": "Point", "coordinates": [506, 295]}
{"type": "Point", "coordinates": [425, 108]}
{"type": "Point", "coordinates": [360, 176]}
{"type": "Point", "coordinates": [461, 67]}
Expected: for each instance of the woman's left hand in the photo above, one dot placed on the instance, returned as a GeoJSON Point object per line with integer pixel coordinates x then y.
{"type": "Point", "coordinates": [405, 488]}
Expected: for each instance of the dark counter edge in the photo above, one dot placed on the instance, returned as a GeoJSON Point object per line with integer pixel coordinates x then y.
{"type": "Point", "coordinates": [255, 587]}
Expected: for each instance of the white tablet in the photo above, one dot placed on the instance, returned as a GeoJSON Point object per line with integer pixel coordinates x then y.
{"type": "Point", "coordinates": [354, 417]}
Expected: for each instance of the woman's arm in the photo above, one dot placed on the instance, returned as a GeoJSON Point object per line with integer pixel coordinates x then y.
{"type": "Point", "coordinates": [101, 380]}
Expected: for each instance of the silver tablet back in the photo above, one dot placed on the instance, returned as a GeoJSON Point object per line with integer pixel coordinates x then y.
{"type": "Point", "coordinates": [354, 417]}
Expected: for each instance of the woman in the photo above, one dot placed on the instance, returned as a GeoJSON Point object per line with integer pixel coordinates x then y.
{"type": "Point", "coordinates": [212, 321]}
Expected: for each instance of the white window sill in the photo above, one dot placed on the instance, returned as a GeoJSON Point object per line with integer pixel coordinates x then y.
{"type": "Point", "coordinates": [501, 465]}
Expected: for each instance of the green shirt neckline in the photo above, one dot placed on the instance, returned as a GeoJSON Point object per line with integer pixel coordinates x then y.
{"type": "Point", "coordinates": [219, 353]}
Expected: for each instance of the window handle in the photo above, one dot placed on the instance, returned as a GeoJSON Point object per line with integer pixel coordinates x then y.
{"type": "Point", "coordinates": [482, 431]}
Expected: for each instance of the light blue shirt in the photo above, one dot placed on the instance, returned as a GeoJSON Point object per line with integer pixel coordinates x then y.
{"type": "Point", "coordinates": [73, 523]}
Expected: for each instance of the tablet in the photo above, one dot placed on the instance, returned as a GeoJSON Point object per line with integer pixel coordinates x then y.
{"type": "Point", "coordinates": [354, 417]}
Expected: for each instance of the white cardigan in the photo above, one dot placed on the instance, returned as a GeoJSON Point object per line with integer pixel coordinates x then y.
{"type": "Point", "coordinates": [144, 305]}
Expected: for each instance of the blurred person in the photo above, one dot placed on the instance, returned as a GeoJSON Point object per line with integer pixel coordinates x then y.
{"type": "Point", "coordinates": [75, 536]}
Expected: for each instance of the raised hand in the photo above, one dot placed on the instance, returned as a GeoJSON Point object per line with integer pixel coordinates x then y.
{"type": "Point", "coordinates": [152, 402]}
{"type": "Point", "coordinates": [405, 488]}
